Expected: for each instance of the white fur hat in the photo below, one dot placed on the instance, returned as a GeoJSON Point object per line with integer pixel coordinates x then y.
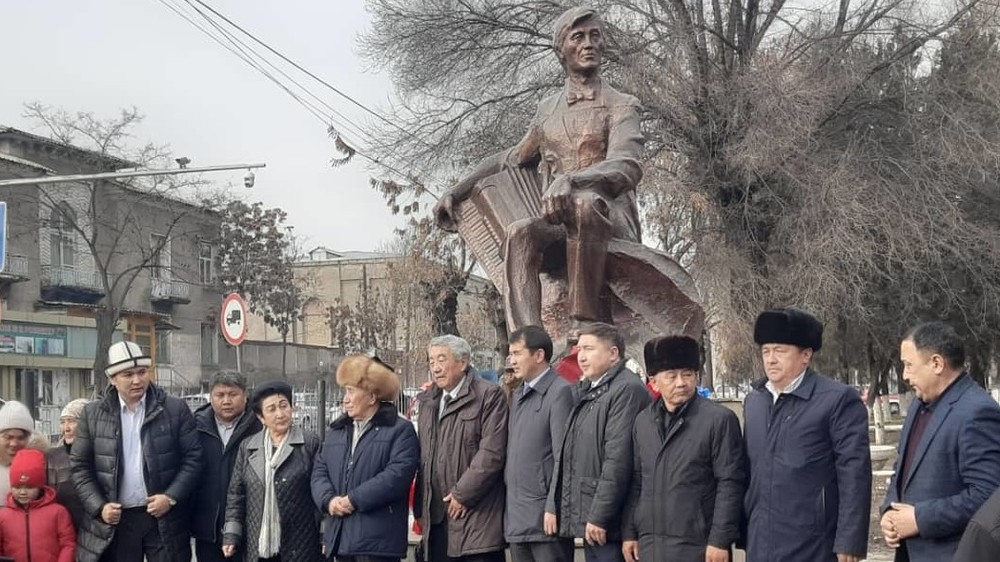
{"type": "Point", "coordinates": [15, 415]}
{"type": "Point", "coordinates": [125, 355]}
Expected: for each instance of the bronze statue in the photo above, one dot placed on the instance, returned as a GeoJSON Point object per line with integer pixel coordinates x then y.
{"type": "Point", "coordinates": [553, 203]}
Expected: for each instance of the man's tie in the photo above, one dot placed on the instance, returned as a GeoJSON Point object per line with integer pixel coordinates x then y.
{"type": "Point", "coordinates": [445, 400]}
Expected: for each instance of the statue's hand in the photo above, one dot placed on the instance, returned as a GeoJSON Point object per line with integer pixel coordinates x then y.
{"type": "Point", "coordinates": [444, 213]}
{"type": "Point", "coordinates": [557, 201]}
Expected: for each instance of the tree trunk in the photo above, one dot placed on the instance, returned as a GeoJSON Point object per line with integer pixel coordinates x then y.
{"type": "Point", "coordinates": [107, 320]}
{"type": "Point", "coordinates": [708, 371]}
{"type": "Point", "coordinates": [284, 353]}
{"type": "Point", "coordinates": [446, 313]}
{"type": "Point", "coordinates": [878, 415]}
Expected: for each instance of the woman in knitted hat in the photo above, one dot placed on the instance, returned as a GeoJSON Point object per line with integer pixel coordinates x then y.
{"type": "Point", "coordinates": [16, 427]}
{"type": "Point", "coordinates": [34, 527]}
{"type": "Point", "coordinates": [361, 479]}
{"type": "Point", "coordinates": [58, 461]}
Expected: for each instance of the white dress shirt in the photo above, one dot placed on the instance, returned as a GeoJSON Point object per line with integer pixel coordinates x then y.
{"type": "Point", "coordinates": [132, 489]}
{"type": "Point", "coordinates": [792, 386]}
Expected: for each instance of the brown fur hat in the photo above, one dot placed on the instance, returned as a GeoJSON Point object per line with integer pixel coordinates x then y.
{"type": "Point", "coordinates": [369, 375]}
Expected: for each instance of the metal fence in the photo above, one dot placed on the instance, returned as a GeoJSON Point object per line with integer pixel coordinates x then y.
{"type": "Point", "coordinates": [316, 406]}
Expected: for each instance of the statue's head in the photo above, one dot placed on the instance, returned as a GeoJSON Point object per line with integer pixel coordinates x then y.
{"type": "Point", "coordinates": [578, 39]}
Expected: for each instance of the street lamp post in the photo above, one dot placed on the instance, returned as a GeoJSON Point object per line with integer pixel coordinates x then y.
{"type": "Point", "coordinates": [248, 181]}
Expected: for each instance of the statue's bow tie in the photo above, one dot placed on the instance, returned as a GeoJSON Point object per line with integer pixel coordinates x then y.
{"type": "Point", "coordinates": [573, 97]}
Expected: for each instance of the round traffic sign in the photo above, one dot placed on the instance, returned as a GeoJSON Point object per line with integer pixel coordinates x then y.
{"type": "Point", "coordinates": [233, 319]}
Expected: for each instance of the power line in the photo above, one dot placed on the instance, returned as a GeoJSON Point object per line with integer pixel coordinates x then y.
{"type": "Point", "coordinates": [244, 57]}
{"type": "Point", "coordinates": [310, 74]}
{"type": "Point", "coordinates": [237, 48]}
{"type": "Point", "coordinates": [346, 123]}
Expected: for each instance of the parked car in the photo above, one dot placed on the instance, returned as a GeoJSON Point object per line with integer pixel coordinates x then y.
{"type": "Point", "coordinates": [195, 401]}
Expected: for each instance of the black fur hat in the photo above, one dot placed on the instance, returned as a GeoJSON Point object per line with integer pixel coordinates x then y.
{"type": "Point", "coordinates": [788, 325]}
{"type": "Point", "coordinates": [671, 352]}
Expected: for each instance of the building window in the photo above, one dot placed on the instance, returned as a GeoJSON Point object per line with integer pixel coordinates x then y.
{"type": "Point", "coordinates": [209, 344]}
{"type": "Point", "coordinates": [61, 236]}
{"type": "Point", "coordinates": [46, 385]}
{"type": "Point", "coordinates": [160, 262]}
{"type": "Point", "coordinates": [206, 263]}
{"type": "Point", "coordinates": [163, 346]}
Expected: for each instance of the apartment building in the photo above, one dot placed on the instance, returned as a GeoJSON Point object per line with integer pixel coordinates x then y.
{"type": "Point", "coordinates": [73, 248]}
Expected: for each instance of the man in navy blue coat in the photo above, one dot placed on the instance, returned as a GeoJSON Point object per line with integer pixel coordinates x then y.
{"type": "Point", "coordinates": [809, 498]}
{"type": "Point", "coordinates": [361, 477]}
{"type": "Point", "coordinates": [949, 449]}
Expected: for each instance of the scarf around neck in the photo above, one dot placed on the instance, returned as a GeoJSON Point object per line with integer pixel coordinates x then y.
{"type": "Point", "coordinates": [269, 542]}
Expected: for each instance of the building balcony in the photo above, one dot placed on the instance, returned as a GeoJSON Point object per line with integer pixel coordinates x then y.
{"type": "Point", "coordinates": [15, 269]}
{"type": "Point", "coordinates": [61, 283]}
{"type": "Point", "coordinates": [169, 291]}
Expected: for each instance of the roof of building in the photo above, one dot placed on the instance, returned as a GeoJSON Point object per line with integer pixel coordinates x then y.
{"type": "Point", "coordinates": [118, 163]}
{"type": "Point", "coordinates": [26, 163]}
{"type": "Point", "coordinates": [324, 254]}
{"type": "Point", "coordinates": [86, 154]}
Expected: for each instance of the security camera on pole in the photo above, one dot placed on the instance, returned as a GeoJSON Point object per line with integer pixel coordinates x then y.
{"type": "Point", "coordinates": [233, 321]}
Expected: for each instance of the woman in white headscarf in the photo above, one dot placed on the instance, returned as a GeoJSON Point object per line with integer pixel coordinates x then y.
{"type": "Point", "coordinates": [270, 515]}
{"type": "Point", "coordinates": [57, 461]}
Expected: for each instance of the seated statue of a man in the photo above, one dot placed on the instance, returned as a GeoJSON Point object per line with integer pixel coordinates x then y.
{"type": "Point", "coordinates": [586, 143]}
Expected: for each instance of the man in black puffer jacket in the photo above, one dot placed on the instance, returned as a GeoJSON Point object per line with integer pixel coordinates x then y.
{"type": "Point", "coordinates": [135, 464]}
{"type": "Point", "coordinates": [222, 426]}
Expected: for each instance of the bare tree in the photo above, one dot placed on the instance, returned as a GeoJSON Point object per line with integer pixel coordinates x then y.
{"type": "Point", "coordinates": [113, 221]}
{"type": "Point", "coordinates": [840, 157]}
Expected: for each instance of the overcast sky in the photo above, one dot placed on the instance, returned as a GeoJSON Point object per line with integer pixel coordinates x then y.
{"type": "Point", "coordinates": [208, 105]}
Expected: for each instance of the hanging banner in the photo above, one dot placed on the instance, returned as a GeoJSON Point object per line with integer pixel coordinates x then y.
{"type": "Point", "coordinates": [32, 339]}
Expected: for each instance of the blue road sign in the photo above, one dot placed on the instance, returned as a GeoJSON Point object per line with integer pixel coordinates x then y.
{"type": "Point", "coordinates": [3, 234]}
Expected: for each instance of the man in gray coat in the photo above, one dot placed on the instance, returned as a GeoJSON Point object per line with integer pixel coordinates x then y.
{"type": "Point", "coordinates": [539, 408]}
{"type": "Point", "coordinates": [689, 473]}
{"type": "Point", "coordinates": [594, 464]}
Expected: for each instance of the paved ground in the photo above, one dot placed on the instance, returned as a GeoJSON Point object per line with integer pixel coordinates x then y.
{"type": "Point", "coordinates": [739, 556]}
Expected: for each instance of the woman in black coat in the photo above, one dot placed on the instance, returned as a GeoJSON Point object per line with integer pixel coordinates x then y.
{"type": "Point", "coordinates": [269, 509]}
{"type": "Point", "coordinates": [361, 478]}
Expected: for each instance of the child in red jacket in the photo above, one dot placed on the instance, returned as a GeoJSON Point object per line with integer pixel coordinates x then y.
{"type": "Point", "coordinates": [33, 527]}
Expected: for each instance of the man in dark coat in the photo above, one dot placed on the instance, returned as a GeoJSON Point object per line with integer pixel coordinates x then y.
{"type": "Point", "coordinates": [135, 462]}
{"type": "Point", "coordinates": [688, 475]}
{"type": "Point", "coordinates": [949, 449]}
{"type": "Point", "coordinates": [463, 442]}
{"type": "Point", "coordinates": [809, 496]}
{"type": "Point", "coordinates": [362, 475]}
{"type": "Point", "coordinates": [594, 463]}
{"type": "Point", "coordinates": [222, 426]}
{"type": "Point", "coordinates": [539, 408]}
{"type": "Point", "coordinates": [981, 540]}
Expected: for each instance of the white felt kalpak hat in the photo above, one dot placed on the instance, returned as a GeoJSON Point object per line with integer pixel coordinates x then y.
{"type": "Point", "coordinates": [125, 355]}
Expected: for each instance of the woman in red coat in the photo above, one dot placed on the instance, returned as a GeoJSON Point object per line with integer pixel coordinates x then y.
{"type": "Point", "coordinates": [33, 527]}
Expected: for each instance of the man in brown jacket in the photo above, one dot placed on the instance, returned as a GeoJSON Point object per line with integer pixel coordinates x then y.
{"type": "Point", "coordinates": [463, 442]}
